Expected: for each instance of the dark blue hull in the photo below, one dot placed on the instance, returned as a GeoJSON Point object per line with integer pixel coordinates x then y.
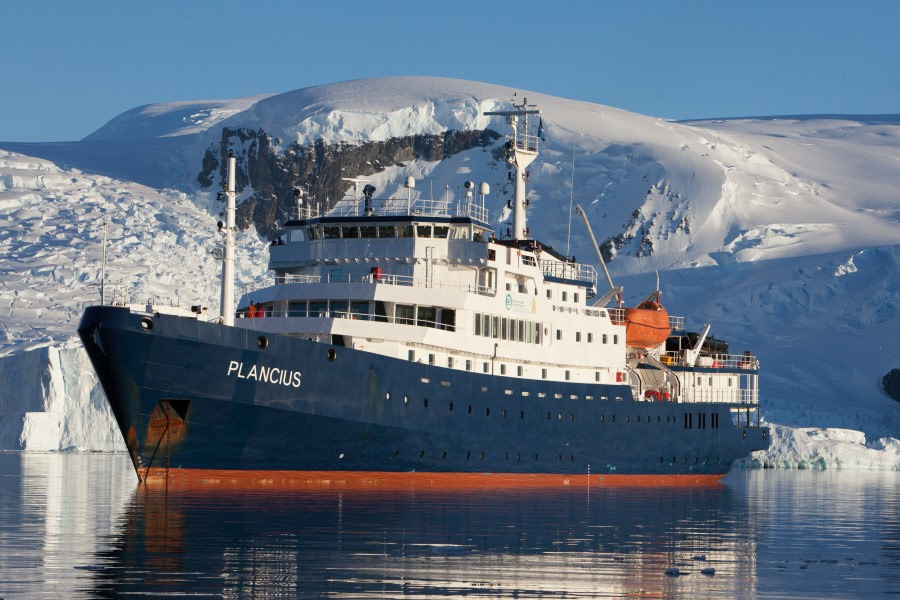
{"type": "Point", "coordinates": [194, 395]}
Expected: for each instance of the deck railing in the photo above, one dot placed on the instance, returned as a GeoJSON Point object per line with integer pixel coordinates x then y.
{"type": "Point", "coordinates": [714, 361]}
{"type": "Point", "coordinates": [383, 279]}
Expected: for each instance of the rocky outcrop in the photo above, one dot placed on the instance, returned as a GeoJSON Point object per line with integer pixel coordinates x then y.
{"type": "Point", "coordinates": [891, 383]}
{"type": "Point", "coordinates": [272, 172]}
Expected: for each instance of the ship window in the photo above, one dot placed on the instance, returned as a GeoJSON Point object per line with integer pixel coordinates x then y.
{"type": "Point", "coordinates": [431, 359]}
{"type": "Point", "coordinates": [596, 375]}
{"type": "Point", "coordinates": [559, 334]}
{"type": "Point", "coordinates": [549, 294]}
{"type": "Point", "coordinates": [350, 232]}
{"type": "Point", "coordinates": [313, 233]}
{"type": "Point", "coordinates": [512, 330]}
{"type": "Point", "coordinates": [496, 330]}
{"type": "Point", "coordinates": [441, 231]}
{"type": "Point", "coordinates": [335, 275]}
{"type": "Point", "coordinates": [426, 316]}
{"type": "Point", "coordinates": [577, 336]}
{"type": "Point", "coordinates": [729, 382]}
{"type": "Point", "coordinates": [477, 323]}
{"type": "Point", "coordinates": [412, 355]}
{"type": "Point", "coordinates": [605, 339]}
{"type": "Point", "coordinates": [486, 367]}
{"type": "Point", "coordinates": [537, 333]}
{"type": "Point", "coordinates": [404, 314]}
{"type": "Point", "coordinates": [339, 307]}
{"type": "Point", "coordinates": [529, 332]}
{"type": "Point", "coordinates": [564, 296]}
{"type": "Point", "coordinates": [468, 365]}
{"type": "Point", "coordinates": [508, 286]}
{"type": "Point", "coordinates": [386, 231]}
{"type": "Point", "coordinates": [297, 309]}
{"type": "Point", "coordinates": [568, 375]}
{"type": "Point", "coordinates": [380, 311]}
{"type": "Point", "coordinates": [590, 338]}
{"type": "Point", "coordinates": [367, 231]}
{"type": "Point", "coordinates": [504, 328]}
{"type": "Point", "coordinates": [604, 397]}
{"type": "Point", "coordinates": [503, 369]}
{"type": "Point", "coordinates": [699, 381]}
{"type": "Point", "coordinates": [486, 325]}
{"type": "Point", "coordinates": [404, 231]}
{"type": "Point", "coordinates": [318, 308]}
{"type": "Point", "coordinates": [361, 310]}
{"type": "Point", "coordinates": [519, 371]}
{"type": "Point", "coordinates": [423, 231]}
{"type": "Point", "coordinates": [450, 361]}
{"type": "Point", "coordinates": [331, 232]}
{"type": "Point", "coordinates": [615, 339]}
{"type": "Point", "coordinates": [543, 373]}
{"type": "Point", "coordinates": [575, 297]}
{"type": "Point", "coordinates": [710, 382]}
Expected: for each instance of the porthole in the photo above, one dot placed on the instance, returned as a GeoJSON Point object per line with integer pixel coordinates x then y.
{"type": "Point", "coordinates": [571, 458]}
{"type": "Point", "coordinates": [482, 456]}
{"type": "Point", "coordinates": [422, 454]}
{"type": "Point", "coordinates": [519, 456]}
{"type": "Point", "coordinates": [425, 403]}
{"type": "Point", "coordinates": [764, 433]}
{"type": "Point", "coordinates": [503, 413]}
{"type": "Point", "coordinates": [262, 343]}
{"type": "Point", "coordinates": [571, 416]}
{"type": "Point", "coordinates": [559, 416]}
{"type": "Point", "coordinates": [405, 399]}
{"type": "Point", "coordinates": [444, 455]}
{"type": "Point", "coordinates": [468, 455]}
{"type": "Point", "coordinates": [549, 416]}
{"type": "Point", "coordinates": [560, 458]}
{"type": "Point", "coordinates": [487, 412]}
{"type": "Point", "coordinates": [506, 456]}
{"type": "Point", "coordinates": [451, 407]}
{"type": "Point", "coordinates": [387, 396]}
{"type": "Point", "coordinates": [602, 418]}
{"type": "Point", "coordinates": [744, 432]}
{"type": "Point", "coordinates": [332, 354]}
{"type": "Point", "coordinates": [628, 418]}
{"type": "Point", "coordinates": [470, 409]}
{"type": "Point", "coordinates": [535, 456]}
{"type": "Point", "coordinates": [521, 414]}
{"type": "Point", "coordinates": [147, 323]}
{"type": "Point", "coordinates": [396, 453]}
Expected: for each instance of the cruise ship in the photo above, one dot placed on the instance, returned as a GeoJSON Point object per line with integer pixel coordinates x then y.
{"type": "Point", "coordinates": [407, 342]}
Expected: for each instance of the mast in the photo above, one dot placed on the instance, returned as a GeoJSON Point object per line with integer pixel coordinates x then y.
{"type": "Point", "coordinates": [227, 303]}
{"type": "Point", "coordinates": [522, 149]}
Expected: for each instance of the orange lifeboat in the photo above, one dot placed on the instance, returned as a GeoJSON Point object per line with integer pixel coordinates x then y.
{"type": "Point", "coordinates": [646, 326]}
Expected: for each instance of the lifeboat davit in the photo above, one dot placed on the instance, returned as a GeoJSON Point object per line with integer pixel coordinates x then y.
{"type": "Point", "coordinates": [646, 326]}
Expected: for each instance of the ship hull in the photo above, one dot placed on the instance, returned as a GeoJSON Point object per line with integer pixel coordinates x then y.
{"type": "Point", "coordinates": [194, 399]}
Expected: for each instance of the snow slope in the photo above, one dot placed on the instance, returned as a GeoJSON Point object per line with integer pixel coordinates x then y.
{"type": "Point", "coordinates": [783, 232]}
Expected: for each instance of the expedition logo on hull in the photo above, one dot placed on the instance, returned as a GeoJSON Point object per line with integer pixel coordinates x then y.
{"type": "Point", "coordinates": [266, 374]}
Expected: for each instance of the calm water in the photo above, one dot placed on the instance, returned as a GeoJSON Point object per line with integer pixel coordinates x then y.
{"type": "Point", "coordinates": [80, 526]}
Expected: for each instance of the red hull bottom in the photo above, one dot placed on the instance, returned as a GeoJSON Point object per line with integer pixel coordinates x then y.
{"type": "Point", "coordinates": [366, 480]}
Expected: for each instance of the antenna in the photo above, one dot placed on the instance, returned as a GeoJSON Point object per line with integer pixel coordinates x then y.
{"type": "Point", "coordinates": [356, 181]}
{"type": "Point", "coordinates": [571, 195]}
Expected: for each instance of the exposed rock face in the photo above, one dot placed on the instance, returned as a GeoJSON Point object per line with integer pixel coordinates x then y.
{"type": "Point", "coordinates": [272, 173]}
{"type": "Point", "coordinates": [891, 383]}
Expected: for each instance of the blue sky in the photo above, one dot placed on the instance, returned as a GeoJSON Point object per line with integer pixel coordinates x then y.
{"type": "Point", "coordinates": [71, 66]}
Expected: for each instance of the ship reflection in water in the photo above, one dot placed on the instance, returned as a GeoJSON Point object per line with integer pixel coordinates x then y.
{"type": "Point", "coordinates": [575, 542]}
{"type": "Point", "coordinates": [79, 526]}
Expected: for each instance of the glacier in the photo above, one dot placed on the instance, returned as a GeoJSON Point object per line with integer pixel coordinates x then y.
{"type": "Point", "coordinates": [782, 232]}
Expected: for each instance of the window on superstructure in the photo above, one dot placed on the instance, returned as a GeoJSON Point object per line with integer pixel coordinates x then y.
{"type": "Point", "coordinates": [596, 375]}
{"type": "Point", "coordinates": [380, 311]}
{"type": "Point", "coordinates": [559, 334]}
{"type": "Point", "coordinates": [441, 231]}
{"type": "Point", "coordinates": [522, 288]}
{"type": "Point", "coordinates": [543, 373]}
{"type": "Point", "coordinates": [615, 339]}
{"type": "Point", "coordinates": [313, 233]}
{"type": "Point", "coordinates": [520, 371]}
{"type": "Point", "coordinates": [577, 336]}
{"type": "Point", "coordinates": [412, 355]}
{"type": "Point", "coordinates": [564, 296]}
{"type": "Point", "coordinates": [339, 308]}
{"type": "Point", "coordinates": [297, 308]}
{"type": "Point", "coordinates": [423, 231]}
{"type": "Point", "coordinates": [486, 367]}
{"type": "Point", "coordinates": [318, 308]}
{"type": "Point", "coordinates": [486, 325]}
{"type": "Point", "coordinates": [404, 314]}
{"type": "Point", "coordinates": [426, 316]}
{"type": "Point", "coordinates": [350, 232]}
{"type": "Point", "coordinates": [529, 332]}
{"type": "Point", "coordinates": [431, 359]}
{"type": "Point", "coordinates": [508, 286]}
{"type": "Point", "coordinates": [503, 369]}
{"type": "Point", "coordinates": [568, 375]}
{"type": "Point", "coordinates": [504, 328]}
{"type": "Point", "coordinates": [368, 231]}
{"type": "Point", "coordinates": [590, 338]}
{"type": "Point", "coordinates": [331, 232]}
{"type": "Point", "coordinates": [468, 365]}
{"type": "Point", "coordinates": [605, 338]}
{"type": "Point", "coordinates": [448, 319]}
{"type": "Point", "coordinates": [386, 231]}
{"type": "Point", "coordinates": [512, 330]}
{"type": "Point", "coordinates": [361, 310]}
{"type": "Point", "coordinates": [496, 330]}
{"type": "Point", "coordinates": [549, 294]}
{"type": "Point", "coordinates": [450, 361]}
{"type": "Point", "coordinates": [477, 323]}
{"type": "Point", "coordinates": [405, 231]}
{"type": "Point", "coordinates": [521, 325]}
{"type": "Point", "coordinates": [575, 297]}
{"type": "Point", "coordinates": [537, 333]}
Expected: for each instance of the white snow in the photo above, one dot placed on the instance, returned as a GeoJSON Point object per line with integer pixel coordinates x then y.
{"type": "Point", "coordinates": [782, 232]}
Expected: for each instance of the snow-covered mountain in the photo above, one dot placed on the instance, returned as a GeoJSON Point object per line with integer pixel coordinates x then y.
{"type": "Point", "coordinates": [783, 232]}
